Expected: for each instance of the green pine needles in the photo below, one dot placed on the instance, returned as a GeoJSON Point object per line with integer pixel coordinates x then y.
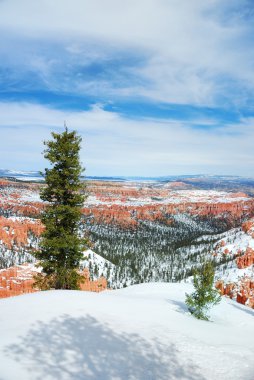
{"type": "Point", "coordinates": [61, 245]}
{"type": "Point", "coordinates": [200, 301]}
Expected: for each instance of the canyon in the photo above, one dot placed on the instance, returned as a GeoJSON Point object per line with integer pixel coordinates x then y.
{"type": "Point", "coordinates": [140, 231]}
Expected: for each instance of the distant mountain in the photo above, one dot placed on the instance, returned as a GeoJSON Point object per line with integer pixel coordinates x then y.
{"type": "Point", "coordinates": [197, 179]}
{"type": "Point", "coordinates": [21, 175]}
{"type": "Point", "coordinates": [31, 176]}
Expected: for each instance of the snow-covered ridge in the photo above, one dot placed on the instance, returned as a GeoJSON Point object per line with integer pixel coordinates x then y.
{"type": "Point", "coordinates": [137, 333]}
{"type": "Point", "coordinates": [19, 195]}
{"type": "Point", "coordinates": [177, 197]}
{"type": "Point", "coordinates": [97, 265]}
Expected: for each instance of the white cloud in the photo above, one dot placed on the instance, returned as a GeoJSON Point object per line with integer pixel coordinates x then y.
{"type": "Point", "coordinates": [195, 51]}
{"type": "Point", "coordinates": [114, 145]}
{"type": "Point", "coordinates": [187, 52]}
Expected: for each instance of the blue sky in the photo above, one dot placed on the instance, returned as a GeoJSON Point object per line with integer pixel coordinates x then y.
{"type": "Point", "coordinates": [154, 87]}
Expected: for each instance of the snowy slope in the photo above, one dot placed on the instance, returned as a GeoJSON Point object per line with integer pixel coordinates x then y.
{"type": "Point", "coordinates": [97, 265]}
{"type": "Point", "coordinates": [138, 333]}
{"type": "Point", "coordinates": [234, 243]}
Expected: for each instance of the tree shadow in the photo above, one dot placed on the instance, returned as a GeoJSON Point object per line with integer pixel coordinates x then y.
{"type": "Point", "coordinates": [180, 306]}
{"type": "Point", "coordinates": [81, 348]}
{"type": "Point", "coordinates": [243, 308]}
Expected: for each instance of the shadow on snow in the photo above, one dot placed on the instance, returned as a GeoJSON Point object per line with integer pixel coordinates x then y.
{"type": "Point", "coordinates": [81, 348]}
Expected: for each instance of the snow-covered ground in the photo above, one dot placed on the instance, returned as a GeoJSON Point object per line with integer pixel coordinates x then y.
{"type": "Point", "coordinates": [143, 332]}
{"type": "Point", "coordinates": [176, 197]}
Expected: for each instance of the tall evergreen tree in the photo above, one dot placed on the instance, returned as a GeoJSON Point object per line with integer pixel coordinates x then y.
{"type": "Point", "coordinates": [204, 296]}
{"type": "Point", "coordinates": [61, 245]}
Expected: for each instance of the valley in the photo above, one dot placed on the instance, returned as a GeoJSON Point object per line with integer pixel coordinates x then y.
{"type": "Point", "coordinates": [144, 231]}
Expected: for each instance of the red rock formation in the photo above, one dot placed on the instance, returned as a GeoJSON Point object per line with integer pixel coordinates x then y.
{"type": "Point", "coordinates": [19, 280]}
{"type": "Point", "coordinates": [225, 289]}
{"type": "Point", "coordinates": [241, 298]}
{"type": "Point", "coordinates": [92, 286]}
{"type": "Point", "coordinates": [16, 232]}
{"type": "Point", "coordinates": [118, 198]}
{"type": "Point", "coordinates": [126, 215]}
{"type": "Point", "coordinates": [242, 292]}
{"type": "Point", "coordinates": [248, 225]}
{"type": "Point", "coordinates": [220, 286]}
{"type": "Point", "coordinates": [246, 260]}
{"type": "Point", "coordinates": [16, 280]}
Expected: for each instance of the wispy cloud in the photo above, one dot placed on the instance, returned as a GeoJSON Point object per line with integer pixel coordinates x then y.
{"type": "Point", "coordinates": [155, 87]}
{"type": "Point", "coordinates": [198, 52]}
{"type": "Point", "coordinates": [116, 145]}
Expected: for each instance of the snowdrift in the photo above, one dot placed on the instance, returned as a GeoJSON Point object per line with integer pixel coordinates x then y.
{"type": "Point", "coordinates": [143, 332]}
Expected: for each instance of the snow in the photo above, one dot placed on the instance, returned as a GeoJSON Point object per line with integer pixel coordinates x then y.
{"type": "Point", "coordinates": [21, 219]}
{"type": "Point", "coordinates": [233, 274]}
{"type": "Point", "coordinates": [175, 197]}
{"type": "Point", "coordinates": [30, 196]}
{"type": "Point", "coordinates": [102, 265]}
{"type": "Point", "coordinates": [143, 332]}
{"type": "Point", "coordinates": [28, 178]}
{"type": "Point", "coordinates": [234, 241]}
{"type": "Point", "coordinates": [89, 254]}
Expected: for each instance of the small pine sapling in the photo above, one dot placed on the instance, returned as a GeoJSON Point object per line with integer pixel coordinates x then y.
{"type": "Point", "coordinates": [205, 296]}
